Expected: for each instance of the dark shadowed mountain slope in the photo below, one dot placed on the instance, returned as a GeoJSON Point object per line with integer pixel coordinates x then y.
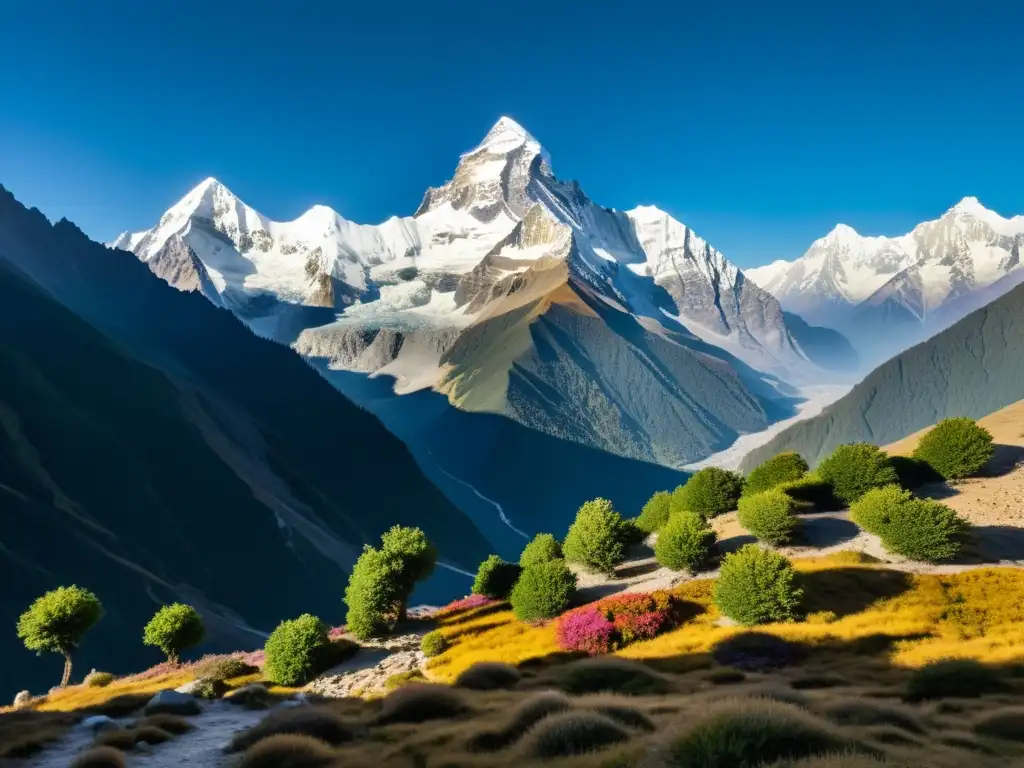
{"type": "Point", "coordinates": [152, 449]}
{"type": "Point", "coordinates": [970, 369]}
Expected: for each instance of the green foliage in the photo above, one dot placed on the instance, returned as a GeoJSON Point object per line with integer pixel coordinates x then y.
{"type": "Point", "coordinates": [542, 548]}
{"type": "Point", "coordinates": [685, 542]}
{"type": "Point", "coordinates": [953, 678]}
{"type": "Point", "coordinates": [415, 553]}
{"type": "Point", "coordinates": [956, 448]}
{"type": "Point", "coordinates": [710, 492]}
{"type": "Point", "coordinates": [433, 644]}
{"type": "Point", "coordinates": [812, 493]}
{"type": "Point", "coordinates": [769, 515]}
{"type": "Point", "coordinates": [57, 621]}
{"type": "Point", "coordinates": [874, 509]}
{"type": "Point", "coordinates": [173, 629]}
{"type": "Point", "coordinates": [913, 473]}
{"type": "Point", "coordinates": [296, 650]}
{"type": "Point", "coordinates": [543, 591]}
{"type": "Point", "coordinates": [630, 533]}
{"type": "Point", "coordinates": [595, 539]}
{"type": "Point", "coordinates": [855, 469]}
{"type": "Point", "coordinates": [757, 586]}
{"type": "Point", "coordinates": [98, 679]}
{"type": "Point", "coordinates": [784, 468]}
{"type": "Point", "coordinates": [209, 688]}
{"type": "Point", "coordinates": [655, 512]}
{"type": "Point", "coordinates": [495, 578]}
{"type": "Point", "coordinates": [922, 529]}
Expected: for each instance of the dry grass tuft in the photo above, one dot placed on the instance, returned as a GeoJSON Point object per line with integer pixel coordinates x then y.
{"type": "Point", "coordinates": [171, 723]}
{"type": "Point", "coordinates": [725, 677]}
{"type": "Point", "coordinates": [489, 676]}
{"type": "Point", "coordinates": [287, 751]}
{"type": "Point", "coordinates": [817, 682]}
{"type": "Point", "coordinates": [610, 673]}
{"type": "Point", "coordinates": [1006, 724]}
{"type": "Point", "coordinates": [845, 760]}
{"type": "Point", "coordinates": [150, 734]}
{"type": "Point", "coordinates": [867, 712]}
{"type": "Point", "coordinates": [100, 757]}
{"type": "Point", "coordinates": [318, 722]}
{"type": "Point", "coordinates": [527, 713]}
{"type": "Point", "coordinates": [23, 733]}
{"type": "Point", "coordinates": [572, 733]}
{"type": "Point", "coordinates": [618, 710]}
{"type": "Point", "coordinates": [420, 702]}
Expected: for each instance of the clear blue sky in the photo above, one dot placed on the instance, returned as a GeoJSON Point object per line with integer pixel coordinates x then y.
{"type": "Point", "coordinates": [760, 124]}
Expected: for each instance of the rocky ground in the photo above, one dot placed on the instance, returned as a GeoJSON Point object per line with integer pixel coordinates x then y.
{"type": "Point", "coordinates": [368, 671]}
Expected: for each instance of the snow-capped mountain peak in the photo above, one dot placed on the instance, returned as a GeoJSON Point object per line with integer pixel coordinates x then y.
{"type": "Point", "coordinates": [842, 233]}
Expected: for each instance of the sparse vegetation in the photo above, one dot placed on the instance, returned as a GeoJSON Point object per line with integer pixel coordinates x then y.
{"type": "Point", "coordinates": [709, 493]}
{"type": "Point", "coordinates": [433, 644]}
{"type": "Point", "coordinates": [685, 542]}
{"type": "Point", "coordinates": [855, 469]}
{"type": "Point", "coordinates": [769, 515]}
{"type": "Point", "coordinates": [595, 539]}
{"type": "Point", "coordinates": [954, 678]}
{"type": "Point", "coordinates": [655, 512]}
{"type": "Point", "coordinates": [785, 468]}
{"type": "Point", "coordinates": [540, 549]}
{"type": "Point", "coordinates": [757, 586]}
{"type": "Point", "coordinates": [543, 591]}
{"type": "Point", "coordinates": [956, 448]}
{"type": "Point", "coordinates": [58, 621]}
{"type": "Point", "coordinates": [296, 650]}
{"type": "Point", "coordinates": [209, 688]}
{"type": "Point", "coordinates": [495, 578]}
{"type": "Point", "coordinates": [173, 629]}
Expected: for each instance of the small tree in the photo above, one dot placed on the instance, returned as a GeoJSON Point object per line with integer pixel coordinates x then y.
{"type": "Point", "coordinates": [710, 492]}
{"type": "Point", "coordinates": [296, 651]}
{"type": "Point", "coordinates": [768, 515]}
{"type": "Point", "coordinates": [874, 509]}
{"type": "Point", "coordinates": [495, 578]}
{"type": "Point", "coordinates": [784, 468]}
{"type": "Point", "coordinates": [655, 512]}
{"type": "Point", "coordinates": [373, 594]}
{"type": "Point", "coordinates": [173, 629]}
{"type": "Point", "coordinates": [543, 591]}
{"type": "Point", "coordinates": [684, 542]}
{"type": "Point", "coordinates": [57, 622]}
{"type": "Point", "coordinates": [855, 469]}
{"type": "Point", "coordinates": [595, 539]}
{"type": "Point", "coordinates": [417, 557]}
{"type": "Point", "coordinates": [956, 448]}
{"type": "Point", "coordinates": [757, 586]}
{"type": "Point", "coordinates": [542, 548]}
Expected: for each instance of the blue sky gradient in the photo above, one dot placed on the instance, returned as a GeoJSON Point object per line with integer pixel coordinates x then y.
{"type": "Point", "coordinates": [761, 125]}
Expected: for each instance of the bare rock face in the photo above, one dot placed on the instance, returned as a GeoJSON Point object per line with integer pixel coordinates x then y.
{"type": "Point", "coordinates": [23, 698]}
{"type": "Point", "coordinates": [368, 671]}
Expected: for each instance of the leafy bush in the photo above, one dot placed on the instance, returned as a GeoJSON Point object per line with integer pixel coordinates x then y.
{"type": "Point", "coordinates": [542, 548]}
{"type": "Point", "coordinates": [913, 473]}
{"type": "Point", "coordinates": [655, 512]}
{"type": "Point", "coordinates": [319, 723]}
{"type": "Point", "coordinates": [543, 591]}
{"type": "Point", "coordinates": [373, 594]}
{"type": "Point", "coordinates": [612, 673]}
{"type": "Point", "coordinates": [956, 448]}
{"type": "Point", "coordinates": [572, 733]}
{"type": "Point", "coordinates": [615, 622]}
{"type": "Point", "coordinates": [784, 468]}
{"type": "Point", "coordinates": [875, 508]}
{"type": "Point", "coordinates": [173, 629]}
{"type": "Point", "coordinates": [57, 622]}
{"type": "Point", "coordinates": [921, 529]}
{"type": "Point", "coordinates": [710, 492]}
{"type": "Point", "coordinates": [433, 644]}
{"type": "Point", "coordinates": [288, 750]}
{"type": "Point", "coordinates": [98, 679]}
{"type": "Point", "coordinates": [420, 702]}
{"type": "Point", "coordinates": [753, 732]}
{"type": "Point", "coordinates": [756, 586]}
{"type": "Point", "coordinates": [953, 678]}
{"type": "Point", "coordinates": [495, 578]}
{"type": "Point", "coordinates": [631, 534]}
{"type": "Point", "coordinates": [225, 668]}
{"type": "Point", "coordinates": [812, 493]}
{"type": "Point", "coordinates": [296, 651]}
{"type": "Point", "coordinates": [855, 469]}
{"type": "Point", "coordinates": [768, 515]}
{"type": "Point", "coordinates": [488, 676]}
{"type": "Point", "coordinates": [595, 539]}
{"type": "Point", "coordinates": [685, 542]}
{"type": "Point", "coordinates": [416, 556]}
{"type": "Point", "coordinates": [209, 688]}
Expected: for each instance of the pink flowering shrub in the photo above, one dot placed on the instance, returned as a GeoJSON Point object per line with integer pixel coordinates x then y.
{"type": "Point", "coordinates": [615, 622]}
{"type": "Point", "coordinates": [465, 604]}
{"type": "Point", "coordinates": [336, 632]}
{"type": "Point", "coordinates": [254, 659]}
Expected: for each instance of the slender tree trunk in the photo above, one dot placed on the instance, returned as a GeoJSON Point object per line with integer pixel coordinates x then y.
{"type": "Point", "coordinates": [67, 671]}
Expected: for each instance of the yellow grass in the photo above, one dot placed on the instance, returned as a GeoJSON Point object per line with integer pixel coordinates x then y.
{"type": "Point", "coordinates": [975, 614]}
{"type": "Point", "coordinates": [81, 696]}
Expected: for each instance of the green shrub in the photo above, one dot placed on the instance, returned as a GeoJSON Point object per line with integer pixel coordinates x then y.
{"type": "Point", "coordinates": [98, 679]}
{"type": "Point", "coordinates": [488, 676]}
{"type": "Point", "coordinates": [685, 542]}
{"type": "Point", "coordinates": [318, 723]}
{"type": "Point", "coordinates": [296, 651]}
{"type": "Point", "coordinates": [209, 688]}
{"type": "Point", "coordinates": [812, 493]}
{"type": "Point", "coordinates": [433, 644]}
{"type": "Point", "coordinates": [913, 473]}
{"type": "Point", "coordinates": [373, 594]}
{"type": "Point", "coordinates": [630, 533]}
{"type": "Point", "coordinates": [710, 492]}
{"type": "Point", "coordinates": [572, 733]}
{"type": "Point", "coordinates": [57, 623]}
{"type": "Point", "coordinates": [226, 669]}
{"type": "Point", "coordinates": [420, 702]}
{"type": "Point", "coordinates": [173, 629]}
{"type": "Point", "coordinates": [926, 530]}
{"type": "Point", "coordinates": [655, 512]}
{"type": "Point", "coordinates": [768, 515]}
{"type": "Point", "coordinates": [874, 509]}
{"type": "Point", "coordinates": [784, 468]}
{"type": "Point", "coordinates": [542, 548]}
{"type": "Point", "coordinates": [495, 578]}
{"type": "Point", "coordinates": [855, 469]}
{"type": "Point", "coordinates": [543, 591]}
{"type": "Point", "coordinates": [416, 557]}
{"type": "Point", "coordinates": [956, 448]}
{"type": "Point", "coordinates": [757, 586]}
{"type": "Point", "coordinates": [595, 539]}
{"type": "Point", "coordinates": [603, 674]}
{"type": "Point", "coordinates": [954, 678]}
{"type": "Point", "coordinates": [751, 732]}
